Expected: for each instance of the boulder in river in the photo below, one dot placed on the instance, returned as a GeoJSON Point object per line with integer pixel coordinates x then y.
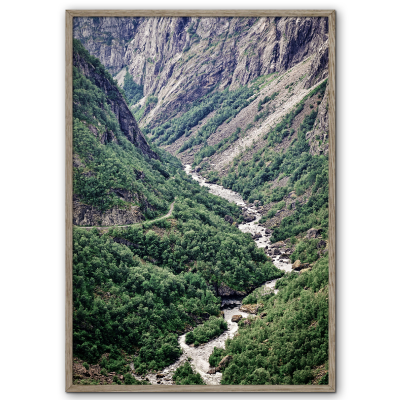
{"type": "Point", "coordinates": [250, 308]}
{"type": "Point", "coordinates": [236, 318]}
{"type": "Point", "coordinates": [296, 264]}
{"type": "Point", "coordinates": [249, 218]}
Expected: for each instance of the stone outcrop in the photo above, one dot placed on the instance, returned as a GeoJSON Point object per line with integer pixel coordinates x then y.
{"type": "Point", "coordinates": [86, 215]}
{"type": "Point", "coordinates": [223, 364]}
{"type": "Point", "coordinates": [225, 291]}
{"type": "Point", "coordinates": [313, 233]}
{"type": "Point", "coordinates": [296, 264]}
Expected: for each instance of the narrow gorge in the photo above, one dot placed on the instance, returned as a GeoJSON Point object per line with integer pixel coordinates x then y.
{"type": "Point", "coordinates": [201, 152]}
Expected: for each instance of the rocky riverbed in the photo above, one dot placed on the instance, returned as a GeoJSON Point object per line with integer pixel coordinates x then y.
{"type": "Point", "coordinates": [198, 356]}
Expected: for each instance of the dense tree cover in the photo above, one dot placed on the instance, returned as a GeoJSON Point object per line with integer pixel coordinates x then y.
{"type": "Point", "coordinates": [133, 91]}
{"type": "Point", "coordinates": [135, 298]}
{"type": "Point", "coordinates": [108, 162]}
{"type": "Point", "coordinates": [201, 241]}
{"type": "Point", "coordinates": [123, 303]}
{"type": "Point", "coordinates": [291, 341]}
{"type": "Point", "coordinates": [306, 251]}
{"type": "Point", "coordinates": [207, 331]}
{"type": "Point", "coordinates": [184, 375]}
{"type": "Point", "coordinates": [107, 169]}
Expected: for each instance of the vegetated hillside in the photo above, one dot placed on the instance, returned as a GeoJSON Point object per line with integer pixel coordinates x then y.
{"type": "Point", "coordinates": [118, 178]}
{"type": "Point", "coordinates": [136, 289]}
{"type": "Point", "coordinates": [178, 60]}
{"type": "Point", "coordinates": [287, 342]}
{"type": "Point", "coordinates": [245, 101]}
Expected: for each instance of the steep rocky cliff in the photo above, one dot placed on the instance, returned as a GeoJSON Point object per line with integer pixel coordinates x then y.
{"type": "Point", "coordinates": [181, 59]}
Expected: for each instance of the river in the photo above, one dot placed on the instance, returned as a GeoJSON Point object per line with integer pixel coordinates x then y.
{"type": "Point", "coordinates": [198, 356]}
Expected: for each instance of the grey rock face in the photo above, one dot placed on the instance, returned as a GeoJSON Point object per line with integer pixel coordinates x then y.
{"type": "Point", "coordinates": [180, 59]}
{"type": "Point", "coordinates": [85, 215]}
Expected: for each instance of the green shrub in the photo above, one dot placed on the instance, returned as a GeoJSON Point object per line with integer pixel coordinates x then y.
{"type": "Point", "coordinates": [86, 365]}
{"type": "Point", "coordinates": [207, 331]}
{"type": "Point", "coordinates": [216, 356]}
{"type": "Point", "coordinates": [184, 375]}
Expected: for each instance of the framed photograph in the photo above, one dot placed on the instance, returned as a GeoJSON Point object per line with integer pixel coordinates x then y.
{"type": "Point", "coordinates": [200, 201]}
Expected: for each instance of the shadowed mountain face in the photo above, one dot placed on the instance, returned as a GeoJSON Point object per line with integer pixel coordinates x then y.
{"type": "Point", "coordinates": [178, 60]}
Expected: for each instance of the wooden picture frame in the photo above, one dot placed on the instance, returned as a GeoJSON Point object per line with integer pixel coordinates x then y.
{"type": "Point", "coordinates": [70, 14]}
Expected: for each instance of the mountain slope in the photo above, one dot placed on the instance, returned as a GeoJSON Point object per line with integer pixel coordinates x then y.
{"type": "Point", "coordinates": [118, 178]}
{"type": "Point", "coordinates": [179, 60]}
{"type": "Point", "coordinates": [245, 101]}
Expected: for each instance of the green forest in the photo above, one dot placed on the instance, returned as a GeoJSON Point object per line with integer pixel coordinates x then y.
{"type": "Point", "coordinates": [136, 289]}
{"type": "Point", "coordinates": [287, 342]}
